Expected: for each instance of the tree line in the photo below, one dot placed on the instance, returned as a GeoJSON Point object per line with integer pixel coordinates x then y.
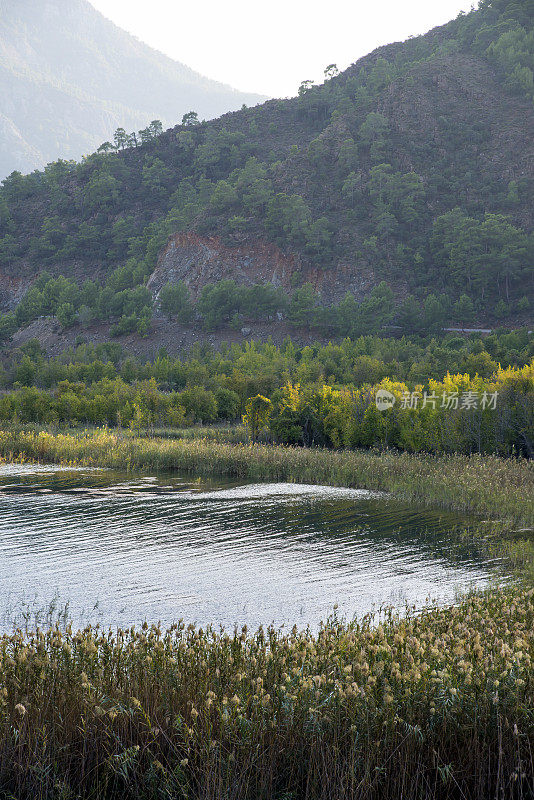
{"type": "Point", "coordinates": [100, 384]}
{"type": "Point", "coordinates": [458, 414]}
{"type": "Point", "coordinates": [128, 305]}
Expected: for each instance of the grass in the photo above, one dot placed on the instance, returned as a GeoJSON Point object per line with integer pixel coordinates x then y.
{"type": "Point", "coordinates": [438, 705]}
{"type": "Point", "coordinates": [229, 434]}
{"type": "Point", "coordinates": [485, 485]}
{"type": "Point", "coordinates": [435, 705]}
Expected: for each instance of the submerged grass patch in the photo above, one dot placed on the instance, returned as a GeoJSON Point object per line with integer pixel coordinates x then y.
{"type": "Point", "coordinates": [436, 705]}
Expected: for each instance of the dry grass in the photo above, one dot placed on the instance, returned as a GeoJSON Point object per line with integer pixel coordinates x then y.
{"type": "Point", "coordinates": [437, 705]}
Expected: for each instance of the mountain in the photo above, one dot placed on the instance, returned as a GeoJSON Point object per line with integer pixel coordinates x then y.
{"type": "Point", "coordinates": [69, 77]}
{"type": "Point", "coordinates": [406, 181]}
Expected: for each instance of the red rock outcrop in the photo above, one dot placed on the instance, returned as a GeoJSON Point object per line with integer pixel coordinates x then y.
{"type": "Point", "coordinates": [199, 260]}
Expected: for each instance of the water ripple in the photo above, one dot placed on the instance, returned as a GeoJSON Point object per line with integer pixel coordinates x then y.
{"type": "Point", "coordinates": [162, 548]}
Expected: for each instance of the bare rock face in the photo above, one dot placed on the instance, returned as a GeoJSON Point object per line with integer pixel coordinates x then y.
{"type": "Point", "coordinates": [198, 260]}
{"type": "Point", "coordinates": [12, 290]}
{"type": "Point", "coordinates": [46, 329]}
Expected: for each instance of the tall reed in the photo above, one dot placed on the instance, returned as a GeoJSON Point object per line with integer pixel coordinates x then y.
{"type": "Point", "coordinates": [438, 705]}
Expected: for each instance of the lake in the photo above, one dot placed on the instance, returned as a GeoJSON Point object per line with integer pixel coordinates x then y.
{"type": "Point", "coordinates": [121, 548]}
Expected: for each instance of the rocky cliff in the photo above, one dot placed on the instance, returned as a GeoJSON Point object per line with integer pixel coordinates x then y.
{"type": "Point", "coordinates": [198, 260]}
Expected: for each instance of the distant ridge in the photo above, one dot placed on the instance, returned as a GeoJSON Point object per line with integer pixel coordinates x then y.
{"type": "Point", "coordinates": [69, 77]}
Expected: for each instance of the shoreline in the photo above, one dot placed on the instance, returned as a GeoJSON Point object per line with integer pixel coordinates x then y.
{"type": "Point", "coordinates": [495, 491]}
{"type": "Point", "coordinates": [488, 486]}
{"type": "Point", "coordinates": [441, 697]}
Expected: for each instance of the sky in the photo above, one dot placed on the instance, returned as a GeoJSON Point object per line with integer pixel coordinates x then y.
{"type": "Point", "coordinates": [270, 48]}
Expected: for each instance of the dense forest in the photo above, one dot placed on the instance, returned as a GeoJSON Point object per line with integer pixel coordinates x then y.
{"type": "Point", "coordinates": [413, 168]}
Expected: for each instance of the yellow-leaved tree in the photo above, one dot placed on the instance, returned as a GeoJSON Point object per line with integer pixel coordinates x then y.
{"type": "Point", "coordinates": [257, 415]}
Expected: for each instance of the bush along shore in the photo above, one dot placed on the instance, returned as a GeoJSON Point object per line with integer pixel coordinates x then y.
{"type": "Point", "coordinates": [459, 414]}
{"type": "Point", "coordinates": [438, 704]}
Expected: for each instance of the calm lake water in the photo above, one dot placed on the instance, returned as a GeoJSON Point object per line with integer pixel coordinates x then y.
{"type": "Point", "coordinates": [122, 548]}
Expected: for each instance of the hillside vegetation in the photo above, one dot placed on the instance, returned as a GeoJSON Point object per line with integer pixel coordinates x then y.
{"type": "Point", "coordinates": [405, 181]}
{"type": "Point", "coordinates": [69, 77]}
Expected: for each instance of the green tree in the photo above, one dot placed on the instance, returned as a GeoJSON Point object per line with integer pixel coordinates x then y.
{"type": "Point", "coordinates": [464, 310]}
{"type": "Point", "coordinates": [101, 193]}
{"type": "Point", "coordinates": [483, 257]}
{"type": "Point", "coordinates": [175, 301]}
{"type": "Point", "coordinates": [190, 119]}
{"type": "Point", "coordinates": [228, 403]}
{"type": "Point", "coordinates": [85, 315]}
{"type": "Point", "coordinates": [120, 139]}
{"type": "Point", "coordinates": [156, 128]}
{"type": "Point", "coordinates": [373, 133]}
{"type": "Point", "coordinates": [263, 300]}
{"type": "Point", "coordinates": [351, 188]}
{"type": "Point", "coordinates": [257, 414]}
{"type": "Point", "coordinates": [25, 371]}
{"type": "Point", "coordinates": [218, 302]}
{"type": "Point", "coordinates": [319, 236]}
{"type": "Point", "coordinates": [106, 148]}
{"type": "Point", "coordinates": [331, 71]}
{"type": "Point", "coordinates": [410, 318]}
{"type": "Point", "coordinates": [199, 404]}
{"type": "Point", "coordinates": [32, 305]}
{"type": "Point", "coordinates": [253, 187]}
{"type": "Point", "coordinates": [305, 87]}
{"type": "Point", "coordinates": [288, 218]}
{"type": "Point", "coordinates": [434, 313]}
{"type": "Point", "coordinates": [66, 315]}
{"type": "Point", "coordinates": [302, 307]}
{"type": "Point", "coordinates": [375, 311]}
{"type": "Point", "coordinates": [156, 177]}
{"type": "Point", "coordinates": [8, 326]}
{"type": "Point", "coordinates": [6, 220]}
{"type": "Point", "coordinates": [348, 158]}
{"type": "Point", "coordinates": [223, 197]}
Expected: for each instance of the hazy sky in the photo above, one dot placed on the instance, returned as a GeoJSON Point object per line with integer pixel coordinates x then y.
{"type": "Point", "coordinates": [271, 47]}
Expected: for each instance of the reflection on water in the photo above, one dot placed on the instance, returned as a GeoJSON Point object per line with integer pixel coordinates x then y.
{"type": "Point", "coordinates": [122, 549]}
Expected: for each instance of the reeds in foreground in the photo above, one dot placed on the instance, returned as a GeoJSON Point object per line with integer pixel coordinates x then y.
{"type": "Point", "coordinates": [438, 705]}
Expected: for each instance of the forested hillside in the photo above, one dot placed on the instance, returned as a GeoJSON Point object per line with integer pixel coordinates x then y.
{"type": "Point", "coordinates": [69, 77]}
{"type": "Point", "coordinates": [399, 192]}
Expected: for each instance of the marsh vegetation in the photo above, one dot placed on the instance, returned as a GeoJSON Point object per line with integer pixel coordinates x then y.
{"type": "Point", "coordinates": [434, 705]}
